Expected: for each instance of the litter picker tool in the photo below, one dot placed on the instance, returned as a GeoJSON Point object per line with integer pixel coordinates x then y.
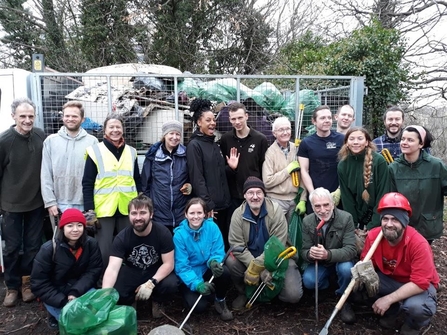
{"type": "Point", "coordinates": [286, 254]}
{"type": "Point", "coordinates": [387, 155]}
{"type": "Point", "coordinates": [295, 173]}
{"type": "Point", "coordinates": [348, 290]}
{"type": "Point", "coordinates": [234, 248]}
{"type": "Point", "coordinates": [317, 241]}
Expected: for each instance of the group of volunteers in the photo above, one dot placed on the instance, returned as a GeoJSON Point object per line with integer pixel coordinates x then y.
{"type": "Point", "coordinates": [202, 216]}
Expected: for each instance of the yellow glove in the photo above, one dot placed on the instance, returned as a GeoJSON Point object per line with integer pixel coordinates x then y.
{"type": "Point", "coordinates": [294, 165]}
{"type": "Point", "coordinates": [144, 291]}
{"type": "Point", "coordinates": [252, 273]}
{"type": "Point", "coordinates": [336, 195]}
{"type": "Point", "coordinates": [301, 207]}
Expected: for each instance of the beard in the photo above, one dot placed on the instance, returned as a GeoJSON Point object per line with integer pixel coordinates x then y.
{"type": "Point", "coordinates": [142, 227]}
{"type": "Point", "coordinates": [392, 235]}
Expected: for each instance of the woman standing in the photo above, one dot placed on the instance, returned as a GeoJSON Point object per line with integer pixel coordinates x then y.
{"type": "Point", "coordinates": [199, 252]}
{"type": "Point", "coordinates": [422, 179]}
{"type": "Point", "coordinates": [165, 176]}
{"type": "Point", "coordinates": [206, 166]}
{"type": "Point", "coordinates": [66, 268]}
{"type": "Point", "coordinates": [111, 179]}
{"type": "Point", "coordinates": [364, 178]}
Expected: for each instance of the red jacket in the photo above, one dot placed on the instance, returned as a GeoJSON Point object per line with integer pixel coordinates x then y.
{"type": "Point", "coordinates": [414, 263]}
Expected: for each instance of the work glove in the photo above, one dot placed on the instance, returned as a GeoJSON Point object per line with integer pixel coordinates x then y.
{"type": "Point", "coordinates": [301, 207]}
{"type": "Point", "coordinates": [267, 278]}
{"type": "Point", "coordinates": [360, 237]}
{"type": "Point", "coordinates": [145, 290]}
{"type": "Point", "coordinates": [92, 223]}
{"type": "Point", "coordinates": [336, 195]}
{"type": "Point", "coordinates": [205, 288]}
{"type": "Point", "coordinates": [186, 189]}
{"type": "Point", "coordinates": [216, 268]}
{"type": "Point", "coordinates": [293, 166]}
{"type": "Point", "coordinates": [251, 276]}
{"type": "Point", "coordinates": [363, 273]}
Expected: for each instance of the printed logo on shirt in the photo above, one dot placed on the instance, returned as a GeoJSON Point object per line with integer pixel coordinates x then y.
{"type": "Point", "coordinates": [251, 148]}
{"type": "Point", "coordinates": [389, 264]}
{"type": "Point", "coordinates": [331, 145]}
{"type": "Point", "coordinates": [143, 256]}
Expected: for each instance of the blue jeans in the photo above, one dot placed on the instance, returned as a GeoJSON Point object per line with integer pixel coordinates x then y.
{"type": "Point", "coordinates": [419, 309]}
{"type": "Point", "coordinates": [21, 230]}
{"type": "Point", "coordinates": [342, 269]}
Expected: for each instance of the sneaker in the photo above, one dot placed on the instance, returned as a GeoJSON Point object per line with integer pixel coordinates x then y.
{"type": "Point", "coordinates": [222, 309]}
{"type": "Point", "coordinates": [388, 322]}
{"type": "Point", "coordinates": [27, 295]}
{"type": "Point", "coordinates": [407, 330]}
{"type": "Point", "coordinates": [52, 322]}
{"type": "Point", "coordinates": [157, 310]}
{"type": "Point", "coordinates": [11, 298]}
{"type": "Point", "coordinates": [347, 314]}
{"type": "Point", "coordinates": [239, 303]}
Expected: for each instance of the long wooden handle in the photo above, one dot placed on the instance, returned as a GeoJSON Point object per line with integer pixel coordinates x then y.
{"type": "Point", "coordinates": [368, 256]}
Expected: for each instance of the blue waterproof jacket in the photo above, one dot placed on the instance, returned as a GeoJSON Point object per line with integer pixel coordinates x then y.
{"type": "Point", "coordinates": [162, 177]}
{"type": "Point", "coordinates": [195, 249]}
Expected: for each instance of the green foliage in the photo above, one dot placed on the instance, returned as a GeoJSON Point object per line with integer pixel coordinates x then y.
{"type": "Point", "coordinates": [373, 52]}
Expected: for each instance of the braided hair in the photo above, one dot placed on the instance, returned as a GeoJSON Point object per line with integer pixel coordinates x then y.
{"type": "Point", "coordinates": [198, 107]}
{"type": "Point", "coordinates": [367, 163]}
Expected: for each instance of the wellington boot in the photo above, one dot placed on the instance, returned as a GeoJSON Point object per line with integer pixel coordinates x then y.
{"type": "Point", "coordinates": [222, 309]}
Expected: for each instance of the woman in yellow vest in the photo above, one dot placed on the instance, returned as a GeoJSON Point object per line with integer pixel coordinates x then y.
{"type": "Point", "coordinates": [111, 179]}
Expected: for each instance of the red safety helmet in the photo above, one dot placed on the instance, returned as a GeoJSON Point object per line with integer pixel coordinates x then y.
{"type": "Point", "coordinates": [394, 200]}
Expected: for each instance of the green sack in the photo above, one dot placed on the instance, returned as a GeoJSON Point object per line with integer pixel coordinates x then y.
{"type": "Point", "coordinates": [122, 320]}
{"type": "Point", "coordinates": [86, 312]}
{"type": "Point", "coordinates": [273, 247]}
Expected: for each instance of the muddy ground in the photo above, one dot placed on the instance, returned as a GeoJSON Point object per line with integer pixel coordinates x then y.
{"type": "Point", "coordinates": [272, 318]}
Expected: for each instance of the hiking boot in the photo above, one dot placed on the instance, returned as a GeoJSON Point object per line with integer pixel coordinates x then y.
{"type": "Point", "coordinates": [222, 309]}
{"type": "Point", "coordinates": [239, 303]}
{"type": "Point", "coordinates": [157, 310]}
{"type": "Point", "coordinates": [11, 298]}
{"type": "Point", "coordinates": [407, 330]}
{"type": "Point", "coordinates": [388, 322]}
{"type": "Point", "coordinates": [27, 295]}
{"type": "Point", "coordinates": [347, 314]}
{"type": "Point", "coordinates": [52, 322]}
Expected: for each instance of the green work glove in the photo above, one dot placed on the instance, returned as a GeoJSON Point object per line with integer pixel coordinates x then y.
{"type": "Point", "coordinates": [292, 166]}
{"type": "Point", "coordinates": [216, 268]}
{"type": "Point", "coordinates": [336, 195]}
{"type": "Point", "coordinates": [205, 288]}
{"type": "Point", "coordinates": [301, 207]}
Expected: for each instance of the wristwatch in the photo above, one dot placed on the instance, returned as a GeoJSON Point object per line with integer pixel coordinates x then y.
{"type": "Point", "coordinates": [154, 281]}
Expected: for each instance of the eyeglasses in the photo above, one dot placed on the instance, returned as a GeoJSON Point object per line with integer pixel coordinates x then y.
{"type": "Point", "coordinates": [251, 194]}
{"type": "Point", "coordinates": [283, 130]}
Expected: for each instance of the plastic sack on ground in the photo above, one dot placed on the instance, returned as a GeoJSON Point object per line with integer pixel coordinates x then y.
{"type": "Point", "coordinates": [269, 97]}
{"type": "Point", "coordinates": [122, 320]}
{"type": "Point", "coordinates": [273, 247]}
{"type": "Point", "coordinates": [307, 97]}
{"type": "Point", "coordinates": [88, 311]}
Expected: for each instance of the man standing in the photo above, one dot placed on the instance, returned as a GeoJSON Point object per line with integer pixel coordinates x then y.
{"type": "Point", "coordinates": [250, 146]}
{"type": "Point", "coordinates": [393, 120]}
{"type": "Point", "coordinates": [317, 154]}
{"type": "Point", "coordinates": [20, 198]}
{"type": "Point", "coordinates": [345, 117]}
{"type": "Point", "coordinates": [335, 249]}
{"type": "Point", "coordinates": [406, 278]}
{"type": "Point", "coordinates": [63, 162]}
{"type": "Point", "coordinates": [252, 224]}
{"type": "Point", "coordinates": [147, 250]}
{"type": "Point", "coordinates": [280, 162]}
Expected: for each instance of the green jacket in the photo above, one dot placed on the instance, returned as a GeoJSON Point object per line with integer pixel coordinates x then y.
{"type": "Point", "coordinates": [339, 239]}
{"type": "Point", "coordinates": [424, 183]}
{"type": "Point", "coordinates": [350, 176]}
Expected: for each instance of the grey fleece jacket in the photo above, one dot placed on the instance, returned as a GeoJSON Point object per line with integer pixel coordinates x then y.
{"type": "Point", "coordinates": [63, 163]}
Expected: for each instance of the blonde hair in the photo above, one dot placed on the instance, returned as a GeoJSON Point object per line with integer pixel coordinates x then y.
{"type": "Point", "coordinates": [368, 160]}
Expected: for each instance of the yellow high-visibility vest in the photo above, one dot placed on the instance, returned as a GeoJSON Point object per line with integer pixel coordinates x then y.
{"type": "Point", "coordinates": [114, 184]}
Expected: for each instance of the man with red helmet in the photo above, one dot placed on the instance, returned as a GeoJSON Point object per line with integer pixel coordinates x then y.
{"type": "Point", "coordinates": [406, 278]}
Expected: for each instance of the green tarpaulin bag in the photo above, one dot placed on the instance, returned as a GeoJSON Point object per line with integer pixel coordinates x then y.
{"type": "Point", "coordinates": [273, 247]}
{"type": "Point", "coordinates": [122, 320]}
{"type": "Point", "coordinates": [88, 311]}
{"type": "Point", "coordinates": [296, 230]}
